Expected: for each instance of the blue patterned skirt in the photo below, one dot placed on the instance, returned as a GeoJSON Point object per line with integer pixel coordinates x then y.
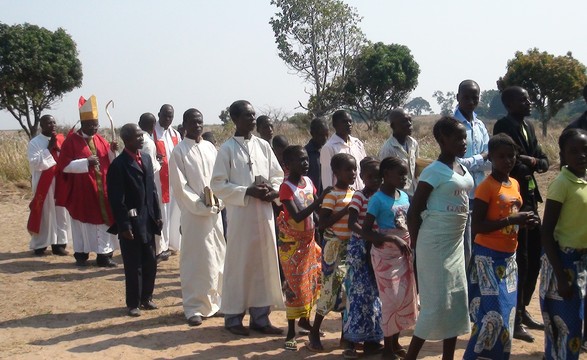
{"type": "Point", "coordinates": [563, 319]}
{"type": "Point", "coordinates": [493, 284]}
{"type": "Point", "coordinates": [362, 317]}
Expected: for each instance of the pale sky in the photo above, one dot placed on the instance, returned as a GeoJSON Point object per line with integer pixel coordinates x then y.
{"type": "Point", "coordinates": [208, 53]}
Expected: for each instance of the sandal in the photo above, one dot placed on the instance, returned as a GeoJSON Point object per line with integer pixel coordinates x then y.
{"type": "Point", "coordinates": [291, 345]}
{"type": "Point", "coordinates": [314, 347]}
{"type": "Point", "coordinates": [350, 354]}
{"type": "Point", "coordinates": [304, 332]}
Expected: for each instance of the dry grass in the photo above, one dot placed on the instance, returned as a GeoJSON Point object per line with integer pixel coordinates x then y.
{"type": "Point", "coordinates": [14, 167]}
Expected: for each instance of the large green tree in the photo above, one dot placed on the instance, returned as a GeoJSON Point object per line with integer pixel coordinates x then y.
{"type": "Point", "coordinates": [380, 78]}
{"type": "Point", "coordinates": [37, 67]}
{"type": "Point", "coordinates": [446, 102]}
{"type": "Point", "coordinates": [317, 39]}
{"type": "Point", "coordinates": [490, 105]}
{"type": "Point", "coordinates": [418, 105]}
{"type": "Point", "coordinates": [551, 81]}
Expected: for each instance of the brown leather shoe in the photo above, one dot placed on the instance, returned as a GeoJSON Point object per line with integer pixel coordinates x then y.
{"type": "Point", "coordinates": [238, 330]}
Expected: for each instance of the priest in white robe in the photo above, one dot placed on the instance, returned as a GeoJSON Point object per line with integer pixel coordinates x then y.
{"type": "Point", "coordinates": [247, 176]}
{"type": "Point", "coordinates": [166, 138]}
{"type": "Point", "coordinates": [147, 124]}
{"type": "Point", "coordinates": [201, 261]}
{"type": "Point", "coordinates": [48, 223]}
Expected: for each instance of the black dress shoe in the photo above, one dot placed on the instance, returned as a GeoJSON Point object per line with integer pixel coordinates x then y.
{"type": "Point", "coordinates": [81, 263]}
{"type": "Point", "coordinates": [59, 251]}
{"type": "Point", "coordinates": [521, 333]}
{"type": "Point", "coordinates": [163, 256]}
{"type": "Point", "coordinates": [268, 330]}
{"type": "Point", "coordinates": [196, 320]}
{"type": "Point", "coordinates": [149, 305]}
{"type": "Point", "coordinates": [530, 322]}
{"type": "Point", "coordinates": [106, 262]}
{"type": "Point", "coordinates": [134, 312]}
{"type": "Point", "coordinates": [238, 330]}
{"type": "Point", "coordinates": [40, 252]}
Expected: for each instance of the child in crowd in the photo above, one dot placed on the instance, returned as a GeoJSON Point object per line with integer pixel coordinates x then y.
{"type": "Point", "coordinates": [279, 143]}
{"type": "Point", "coordinates": [493, 273]}
{"type": "Point", "coordinates": [391, 255]}
{"type": "Point", "coordinates": [363, 308]}
{"type": "Point", "coordinates": [436, 221]}
{"type": "Point", "coordinates": [299, 254]}
{"type": "Point", "coordinates": [334, 222]}
{"type": "Point", "coordinates": [564, 237]}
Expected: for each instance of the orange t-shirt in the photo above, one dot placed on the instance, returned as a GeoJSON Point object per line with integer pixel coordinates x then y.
{"type": "Point", "coordinates": [503, 200]}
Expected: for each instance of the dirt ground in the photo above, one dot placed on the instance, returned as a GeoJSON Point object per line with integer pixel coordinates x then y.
{"type": "Point", "coordinates": [53, 310]}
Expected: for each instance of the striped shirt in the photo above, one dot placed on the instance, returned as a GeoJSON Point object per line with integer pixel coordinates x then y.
{"type": "Point", "coordinates": [336, 200]}
{"type": "Point", "coordinates": [359, 203]}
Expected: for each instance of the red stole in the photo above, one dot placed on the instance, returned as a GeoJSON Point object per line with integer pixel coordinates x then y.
{"type": "Point", "coordinates": [47, 176]}
{"type": "Point", "coordinates": [84, 195]}
{"type": "Point", "coordinates": [164, 172]}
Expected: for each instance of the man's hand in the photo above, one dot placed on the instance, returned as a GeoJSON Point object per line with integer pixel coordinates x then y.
{"type": "Point", "coordinates": [484, 156]}
{"type": "Point", "coordinates": [529, 161]}
{"type": "Point", "coordinates": [271, 195]}
{"type": "Point", "coordinates": [257, 191]}
{"type": "Point", "coordinates": [52, 142]}
{"type": "Point", "coordinates": [114, 146]}
{"type": "Point", "coordinates": [93, 160]}
{"type": "Point", "coordinates": [127, 235]}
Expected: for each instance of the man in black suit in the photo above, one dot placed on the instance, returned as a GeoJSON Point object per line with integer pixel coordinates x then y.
{"type": "Point", "coordinates": [137, 216]}
{"type": "Point", "coordinates": [531, 159]}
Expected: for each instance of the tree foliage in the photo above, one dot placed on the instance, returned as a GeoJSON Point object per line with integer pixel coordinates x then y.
{"type": "Point", "coordinates": [380, 78]}
{"type": "Point", "coordinates": [551, 81]}
{"type": "Point", "coordinates": [490, 105]}
{"type": "Point", "coordinates": [316, 39]}
{"type": "Point", "coordinates": [446, 102]}
{"type": "Point", "coordinates": [225, 116]}
{"type": "Point", "coordinates": [37, 67]}
{"type": "Point", "coordinates": [417, 106]}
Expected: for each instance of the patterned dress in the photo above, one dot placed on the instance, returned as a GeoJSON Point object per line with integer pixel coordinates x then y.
{"type": "Point", "coordinates": [362, 317]}
{"type": "Point", "coordinates": [299, 254]}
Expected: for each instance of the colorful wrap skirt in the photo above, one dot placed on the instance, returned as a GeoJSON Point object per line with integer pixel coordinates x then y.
{"type": "Point", "coordinates": [362, 317]}
{"type": "Point", "coordinates": [332, 292]}
{"type": "Point", "coordinates": [563, 319]}
{"type": "Point", "coordinates": [300, 259]}
{"type": "Point", "coordinates": [394, 273]}
{"type": "Point", "coordinates": [493, 284]}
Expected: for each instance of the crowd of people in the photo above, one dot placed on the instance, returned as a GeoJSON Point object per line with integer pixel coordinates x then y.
{"type": "Point", "coordinates": [446, 247]}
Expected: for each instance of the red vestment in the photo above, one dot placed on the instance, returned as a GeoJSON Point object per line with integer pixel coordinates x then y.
{"type": "Point", "coordinates": [45, 181]}
{"type": "Point", "coordinates": [79, 193]}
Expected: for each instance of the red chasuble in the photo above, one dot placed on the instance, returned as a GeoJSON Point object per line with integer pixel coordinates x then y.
{"type": "Point", "coordinates": [84, 195]}
{"type": "Point", "coordinates": [164, 172]}
{"type": "Point", "coordinates": [45, 181]}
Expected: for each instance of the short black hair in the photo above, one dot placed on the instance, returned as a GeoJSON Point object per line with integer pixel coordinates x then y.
{"type": "Point", "coordinates": [236, 108]}
{"type": "Point", "coordinates": [291, 152]}
{"type": "Point", "coordinates": [567, 135]}
{"type": "Point", "coordinates": [509, 94]}
{"type": "Point", "coordinates": [338, 115]}
{"type": "Point", "coordinates": [499, 140]}
{"type": "Point", "coordinates": [340, 160]}
{"type": "Point", "coordinates": [445, 126]}
{"type": "Point", "coordinates": [317, 124]}
{"type": "Point", "coordinates": [165, 106]}
{"type": "Point", "coordinates": [190, 111]}
{"type": "Point", "coordinates": [279, 141]}
{"type": "Point", "coordinates": [262, 120]}
{"type": "Point", "coordinates": [209, 136]}
{"type": "Point", "coordinates": [127, 130]}
{"type": "Point", "coordinates": [467, 83]}
{"type": "Point", "coordinates": [389, 163]}
{"type": "Point", "coordinates": [368, 163]}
